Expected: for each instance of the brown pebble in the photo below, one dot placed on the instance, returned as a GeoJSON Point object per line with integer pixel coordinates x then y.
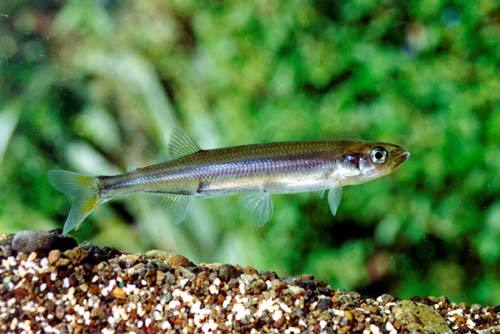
{"type": "Point", "coordinates": [178, 260]}
{"type": "Point", "coordinates": [160, 276]}
{"type": "Point", "coordinates": [280, 322]}
{"type": "Point", "coordinates": [77, 329]}
{"type": "Point", "coordinates": [227, 271]}
{"type": "Point", "coordinates": [249, 270]}
{"type": "Point", "coordinates": [93, 289]}
{"type": "Point", "coordinates": [97, 312]}
{"type": "Point", "coordinates": [76, 255]}
{"type": "Point", "coordinates": [53, 256]}
{"type": "Point", "coordinates": [157, 254]}
{"type": "Point", "coordinates": [278, 285]}
{"type": "Point", "coordinates": [213, 266]}
{"type": "Point", "coordinates": [62, 262]}
{"type": "Point", "coordinates": [60, 312]}
{"type": "Point", "coordinates": [344, 330]}
{"type": "Point", "coordinates": [130, 258]}
{"type": "Point", "coordinates": [119, 293]}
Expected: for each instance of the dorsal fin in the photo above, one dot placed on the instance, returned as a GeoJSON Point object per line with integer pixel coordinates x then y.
{"type": "Point", "coordinates": [180, 144]}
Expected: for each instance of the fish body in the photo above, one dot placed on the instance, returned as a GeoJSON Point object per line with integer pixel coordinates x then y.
{"type": "Point", "coordinates": [258, 170]}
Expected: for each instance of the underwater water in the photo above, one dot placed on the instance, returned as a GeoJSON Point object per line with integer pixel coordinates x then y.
{"type": "Point", "coordinates": [96, 87]}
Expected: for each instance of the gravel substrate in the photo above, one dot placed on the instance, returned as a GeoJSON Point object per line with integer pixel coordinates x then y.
{"type": "Point", "coordinates": [48, 285]}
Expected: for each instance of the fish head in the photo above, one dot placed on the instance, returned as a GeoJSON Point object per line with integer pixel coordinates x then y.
{"type": "Point", "coordinates": [360, 162]}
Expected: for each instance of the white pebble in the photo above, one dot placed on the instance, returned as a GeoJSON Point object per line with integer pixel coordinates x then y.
{"type": "Point", "coordinates": [285, 308]}
{"type": "Point", "coordinates": [455, 312]}
{"type": "Point", "coordinates": [389, 327]}
{"type": "Point", "coordinates": [173, 304]}
{"type": "Point", "coordinates": [183, 282]}
{"type": "Point", "coordinates": [209, 327]}
{"type": "Point", "coordinates": [241, 311]}
{"type": "Point", "coordinates": [470, 323]}
{"type": "Point", "coordinates": [277, 315]}
{"type": "Point", "coordinates": [44, 263]}
{"type": "Point", "coordinates": [166, 325]}
{"type": "Point", "coordinates": [339, 313]}
{"type": "Point", "coordinates": [213, 290]}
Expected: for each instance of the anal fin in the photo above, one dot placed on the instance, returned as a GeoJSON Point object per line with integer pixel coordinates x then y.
{"type": "Point", "coordinates": [177, 205]}
{"type": "Point", "coordinates": [260, 204]}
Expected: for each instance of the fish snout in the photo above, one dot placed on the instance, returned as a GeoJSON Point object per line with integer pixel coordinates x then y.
{"type": "Point", "coordinates": [400, 158]}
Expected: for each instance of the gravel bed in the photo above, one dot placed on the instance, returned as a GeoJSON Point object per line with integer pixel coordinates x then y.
{"type": "Point", "coordinates": [48, 285]}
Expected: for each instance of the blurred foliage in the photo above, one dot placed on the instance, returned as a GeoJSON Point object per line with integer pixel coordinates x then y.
{"type": "Point", "coordinates": [96, 86]}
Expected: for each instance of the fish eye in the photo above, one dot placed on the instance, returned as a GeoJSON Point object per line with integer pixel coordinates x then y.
{"type": "Point", "coordinates": [378, 155]}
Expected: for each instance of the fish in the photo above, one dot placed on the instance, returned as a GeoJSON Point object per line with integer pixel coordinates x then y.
{"type": "Point", "coordinates": [258, 171]}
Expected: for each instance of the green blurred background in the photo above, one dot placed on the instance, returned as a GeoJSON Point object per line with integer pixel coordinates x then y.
{"type": "Point", "coordinates": [96, 87]}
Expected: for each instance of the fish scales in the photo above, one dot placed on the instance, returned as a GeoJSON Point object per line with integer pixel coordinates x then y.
{"type": "Point", "coordinates": [234, 166]}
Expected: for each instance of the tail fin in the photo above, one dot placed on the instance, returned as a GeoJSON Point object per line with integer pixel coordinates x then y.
{"type": "Point", "coordinates": [83, 192]}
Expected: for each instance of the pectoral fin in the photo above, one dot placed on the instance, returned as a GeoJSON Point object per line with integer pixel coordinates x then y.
{"type": "Point", "coordinates": [260, 204]}
{"type": "Point", "coordinates": [177, 205]}
{"type": "Point", "coordinates": [334, 197]}
{"type": "Point", "coordinates": [180, 144]}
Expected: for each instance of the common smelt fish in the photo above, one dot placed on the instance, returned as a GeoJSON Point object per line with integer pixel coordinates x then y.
{"type": "Point", "coordinates": [258, 170]}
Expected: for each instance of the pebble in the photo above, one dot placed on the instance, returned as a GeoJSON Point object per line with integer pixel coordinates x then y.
{"type": "Point", "coordinates": [92, 289]}
{"type": "Point", "coordinates": [54, 255]}
{"type": "Point", "coordinates": [227, 271]}
{"type": "Point", "coordinates": [324, 303]}
{"type": "Point", "coordinates": [119, 293]}
{"type": "Point", "coordinates": [178, 260]}
{"type": "Point", "coordinates": [30, 241]}
{"type": "Point", "coordinates": [160, 276]}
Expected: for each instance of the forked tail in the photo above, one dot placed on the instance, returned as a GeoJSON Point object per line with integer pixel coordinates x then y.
{"type": "Point", "coordinates": [83, 192]}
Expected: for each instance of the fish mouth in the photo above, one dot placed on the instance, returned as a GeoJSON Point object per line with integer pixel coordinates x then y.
{"type": "Point", "coordinates": [398, 160]}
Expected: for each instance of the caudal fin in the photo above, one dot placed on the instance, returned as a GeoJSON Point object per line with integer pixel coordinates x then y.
{"type": "Point", "coordinates": [83, 192]}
